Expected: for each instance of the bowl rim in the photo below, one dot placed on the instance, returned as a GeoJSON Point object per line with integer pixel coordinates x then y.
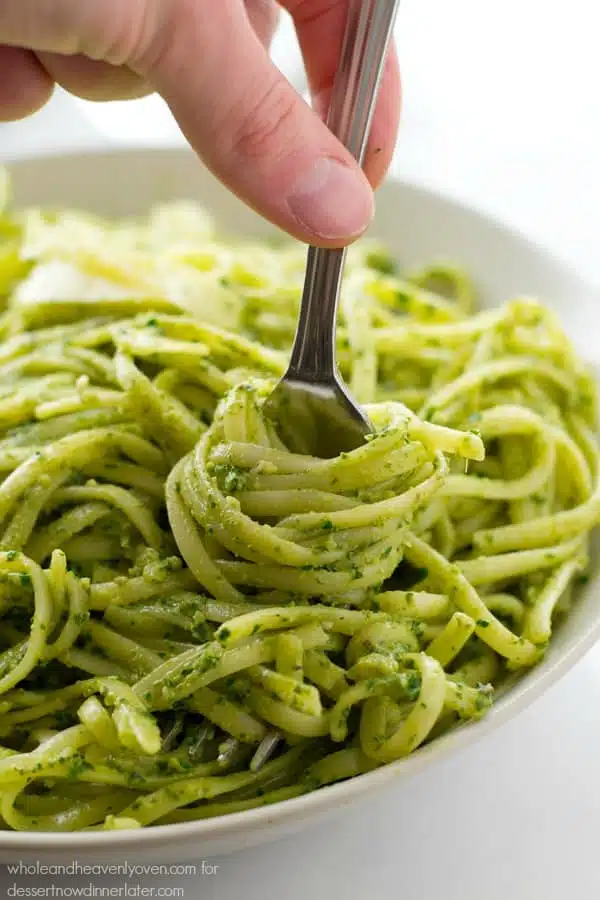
{"type": "Point", "coordinates": [526, 691]}
{"type": "Point", "coordinates": [173, 152]}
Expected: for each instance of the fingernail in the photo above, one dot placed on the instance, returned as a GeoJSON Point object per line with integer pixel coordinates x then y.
{"type": "Point", "coordinates": [332, 200]}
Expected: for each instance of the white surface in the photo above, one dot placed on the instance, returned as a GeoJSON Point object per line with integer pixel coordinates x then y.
{"type": "Point", "coordinates": [502, 109]}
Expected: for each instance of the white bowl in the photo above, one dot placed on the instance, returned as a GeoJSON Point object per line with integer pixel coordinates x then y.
{"type": "Point", "coordinates": [419, 227]}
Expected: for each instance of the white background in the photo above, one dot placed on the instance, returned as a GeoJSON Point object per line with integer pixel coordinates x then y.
{"type": "Point", "coordinates": [502, 108]}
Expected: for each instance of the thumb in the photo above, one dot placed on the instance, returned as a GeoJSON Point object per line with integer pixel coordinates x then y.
{"type": "Point", "coordinates": [252, 129]}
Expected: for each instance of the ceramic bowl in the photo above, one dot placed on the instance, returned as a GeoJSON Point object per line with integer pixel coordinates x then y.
{"type": "Point", "coordinates": [419, 226]}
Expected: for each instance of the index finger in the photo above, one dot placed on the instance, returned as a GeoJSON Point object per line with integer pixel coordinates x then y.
{"type": "Point", "coordinates": [320, 27]}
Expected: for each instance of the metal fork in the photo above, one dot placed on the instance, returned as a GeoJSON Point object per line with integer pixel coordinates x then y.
{"type": "Point", "coordinates": [314, 412]}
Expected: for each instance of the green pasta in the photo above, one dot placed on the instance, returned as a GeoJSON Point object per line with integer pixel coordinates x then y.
{"type": "Point", "coordinates": [195, 621]}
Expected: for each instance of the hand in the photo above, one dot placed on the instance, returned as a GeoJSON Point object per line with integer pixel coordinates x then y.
{"type": "Point", "coordinates": [209, 60]}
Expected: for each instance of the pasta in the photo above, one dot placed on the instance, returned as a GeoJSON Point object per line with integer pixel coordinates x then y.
{"type": "Point", "coordinates": [194, 620]}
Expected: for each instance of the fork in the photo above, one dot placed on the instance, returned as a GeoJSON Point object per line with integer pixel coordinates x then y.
{"type": "Point", "coordinates": [313, 409]}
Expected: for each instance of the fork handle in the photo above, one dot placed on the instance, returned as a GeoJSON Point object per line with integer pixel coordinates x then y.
{"type": "Point", "coordinates": [369, 28]}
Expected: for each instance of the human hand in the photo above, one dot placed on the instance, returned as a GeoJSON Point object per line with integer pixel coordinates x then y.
{"type": "Point", "coordinates": [209, 60]}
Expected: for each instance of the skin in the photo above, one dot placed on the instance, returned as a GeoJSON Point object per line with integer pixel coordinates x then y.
{"type": "Point", "coordinates": [243, 119]}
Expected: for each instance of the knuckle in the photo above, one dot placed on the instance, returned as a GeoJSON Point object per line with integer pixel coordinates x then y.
{"type": "Point", "coordinates": [138, 32]}
{"type": "Point", "coordinates": [269, 127]}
